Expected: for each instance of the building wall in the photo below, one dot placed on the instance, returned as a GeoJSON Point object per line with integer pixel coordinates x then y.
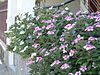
{"type": "Point", "coordinates": [3, 17]}
{"type": "Point", "coordinates": [73, 6]}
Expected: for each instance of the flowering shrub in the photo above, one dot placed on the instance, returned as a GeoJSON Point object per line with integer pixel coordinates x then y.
{"type": "Point", "coordinates": [58, 42]}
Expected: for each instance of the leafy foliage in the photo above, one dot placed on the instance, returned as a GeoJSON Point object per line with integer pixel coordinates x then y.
{"type": "Point", "coordinates": [58, 42]}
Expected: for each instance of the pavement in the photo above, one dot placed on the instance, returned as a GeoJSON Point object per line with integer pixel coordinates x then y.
{"type": "Point", "coordinates": [5, 70]}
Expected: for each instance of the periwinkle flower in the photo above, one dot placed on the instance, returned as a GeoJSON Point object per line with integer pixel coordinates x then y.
{"type": "Point", "coordinates": [63, 46]}
{"type": "Point", "coordinates": [97, 25]}
{"type": "Point", "coordinates": [39, 34]}
{"type": "Point", "coordinates": [37, 28]}
{"type": "Point", "coordinates": [89, 47]}
{"type": "Point", "coordinates": [47, 53]}
{"type": "Point", "coordinates": [35, 45]}
{"type": "Point", "coordinates": [50, 32]}
{"type": "Point", "coordinates": [70, 74]}
{"type": "Point", "coordinates": [29, 62]}
{"type": "Point", "coordinates": [83, 68]}
{"type": "Point", "coordinates": [56, 62]}
{"type": "Point", "coordinates": [78, 73]}
{"type": "Point", "coordinates": [92, 38]}
{"type": "Point", "coordinates": [64, 66]}
{"type": "Point", "coordinates": [65, 57]}
{"type": "Point", "coordinates": [69, 26]}
{"type": "Point", "coordinates": [38, 59]}
{"type": "Point", "coordinates": [78, 38]}
{"type": "Point", "coordinates": [50, 26]}
{"type": "Point", "coordinates": [62, 39]}
{"type": "Point", "coordinates": [68, 18]}
{"type": "Point", "coordinates": [89, 28]}
{"type": "Point", "coordinates": [72, 52]}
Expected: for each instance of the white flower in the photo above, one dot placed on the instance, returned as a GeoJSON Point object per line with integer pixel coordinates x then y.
{"type": "Point", "coordinates": [0, 62]}
{"type": "Point", "coordinates": [22, 26]}
{"type": "Point", "coordinates": [33, 54]}
{"type": "Point", "coordinates": [14, 37]}
{"type": "Point", "coordinates": [7, 31]}
{"type": "Point", "coordinates": [70, 13]}
{"type": "Point", "coordinates": [67, 8]}
{"type": "Point", "coordinates": [51, 8]}
{"type": "Point", "coordinates": [22, 42]}
{"type": "Point", "coordinates": [15, 48]}
{"type": "Point", "coordinates": [22, 32]}
{"type": "Point", "coordinates": [24, 49]}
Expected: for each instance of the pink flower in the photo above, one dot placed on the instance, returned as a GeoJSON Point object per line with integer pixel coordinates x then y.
{"type": "Point", "coordinates": [39, 34]}
{"type": "Point", "coordinates": [47, 21]}
{"type": "Point", "coordinates": [52, 49]}
{"type": "Point", "coordinates": [38, 59]}
{"type": "Point", "coordinates": [89, 28]}
{"type": "Point", "coordinates": [63, 46]}
{"type": "Point", "coordinates": [89, 47]}
{"type": "Point", "coordinates": [56, 62]}
{"type": "Point", "coordinates": [43, 27]}
{"type": "Point", "coordinates": [37, 28]}
{"type": "Point", "coordinates": [68, 18]}
{"type": "Point", "coordinates": [97, 24]}
{"type": "Point", "coordinates": [50, 26]}
{"type": "Point", "coordinates": [50, 32]}
{"type": "Point", "coordinates": [64, 66]}
{"type": "Point", "coordinates": [62, 39]}
{"type": "Point", "coordinates": [47, 53]}
{"type": "Point", "coordinates": [35, 45]}
{"type": "Point", "coordinates": [83, 68]}
{"type": "Point", "coordinates": [65, 57]}
{"type": "Point", "coordinates": [91, 16]}
{"type": "Point", "coordinates": [72, 52]}
{"type": "Point", "coordinates": [69, 26]}
{"type": "Point", "coordinates": [97, 18]}
{"type": "Point", "coordinates": [78, 38]}
{"type": "Point", "coordinates": [70, 74]}
{"type": "Point", "coordinates": [29, 62]}
{"type": "Point", "coordinates": [92, 38]}
{"type": "Point", "coordinates": [78, 73]}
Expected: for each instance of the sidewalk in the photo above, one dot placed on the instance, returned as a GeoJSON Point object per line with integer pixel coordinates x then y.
{"type": "Point", "coordinates": [4, 70]}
